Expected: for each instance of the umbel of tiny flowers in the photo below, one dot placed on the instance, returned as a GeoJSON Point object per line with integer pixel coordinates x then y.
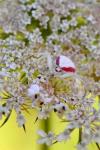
{"type": "Point", "coordinates": [46, 138]}
{"type": "Point", "coordinates": [50, 62]}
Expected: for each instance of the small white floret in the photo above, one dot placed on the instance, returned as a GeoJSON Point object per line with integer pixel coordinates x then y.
{"type": "Point", "coordinates": [34, 89]}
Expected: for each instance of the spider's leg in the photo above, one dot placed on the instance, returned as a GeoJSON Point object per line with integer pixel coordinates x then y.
{"type": "Point", "coordinates": [49, 62]}
{"type": "Point", "coordinates": [65, 75]}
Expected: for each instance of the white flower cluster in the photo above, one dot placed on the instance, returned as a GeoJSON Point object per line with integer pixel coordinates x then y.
{"type": "Point", "coordinates": [49, 61]}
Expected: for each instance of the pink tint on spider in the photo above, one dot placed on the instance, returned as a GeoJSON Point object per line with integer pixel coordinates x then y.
{"type": "Point", "coordinates": [57, 60]}
{"type": "Point", "coordinates": [68, 69]}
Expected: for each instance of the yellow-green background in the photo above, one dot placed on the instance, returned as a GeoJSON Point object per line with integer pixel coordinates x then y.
{"type": "Point", "coordinates": [14, 138]}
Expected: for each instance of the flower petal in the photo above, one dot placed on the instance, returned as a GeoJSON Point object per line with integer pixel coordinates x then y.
{"type": "Point", "coordinates": [42, 133]}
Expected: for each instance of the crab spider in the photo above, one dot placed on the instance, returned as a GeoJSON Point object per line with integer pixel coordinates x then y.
{"type": "Point", "coordinates": [61, 64]}
{"type": "Point", "coordinates": [64, 67]}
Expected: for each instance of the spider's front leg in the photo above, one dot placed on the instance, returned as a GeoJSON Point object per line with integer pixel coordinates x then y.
{"type": "Point", "coordinates": [63, 76]}
{"type": "Point", "coordinates": [49, 60]}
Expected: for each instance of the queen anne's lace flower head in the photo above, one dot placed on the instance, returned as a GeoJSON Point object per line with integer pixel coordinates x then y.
{"type": "Point", "coordinates": [49, 62]}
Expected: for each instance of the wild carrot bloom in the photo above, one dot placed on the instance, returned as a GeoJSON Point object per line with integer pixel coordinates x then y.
{"type": "Point", "coordinates": [49, 61]}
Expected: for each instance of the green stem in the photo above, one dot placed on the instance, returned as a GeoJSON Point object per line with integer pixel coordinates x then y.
{"type": "Point", "coordinates": [80, 135]}
{"type": "Point", "coordinates": [45, 127]}
{"type": "Point", "coordinates": [97, 146]}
